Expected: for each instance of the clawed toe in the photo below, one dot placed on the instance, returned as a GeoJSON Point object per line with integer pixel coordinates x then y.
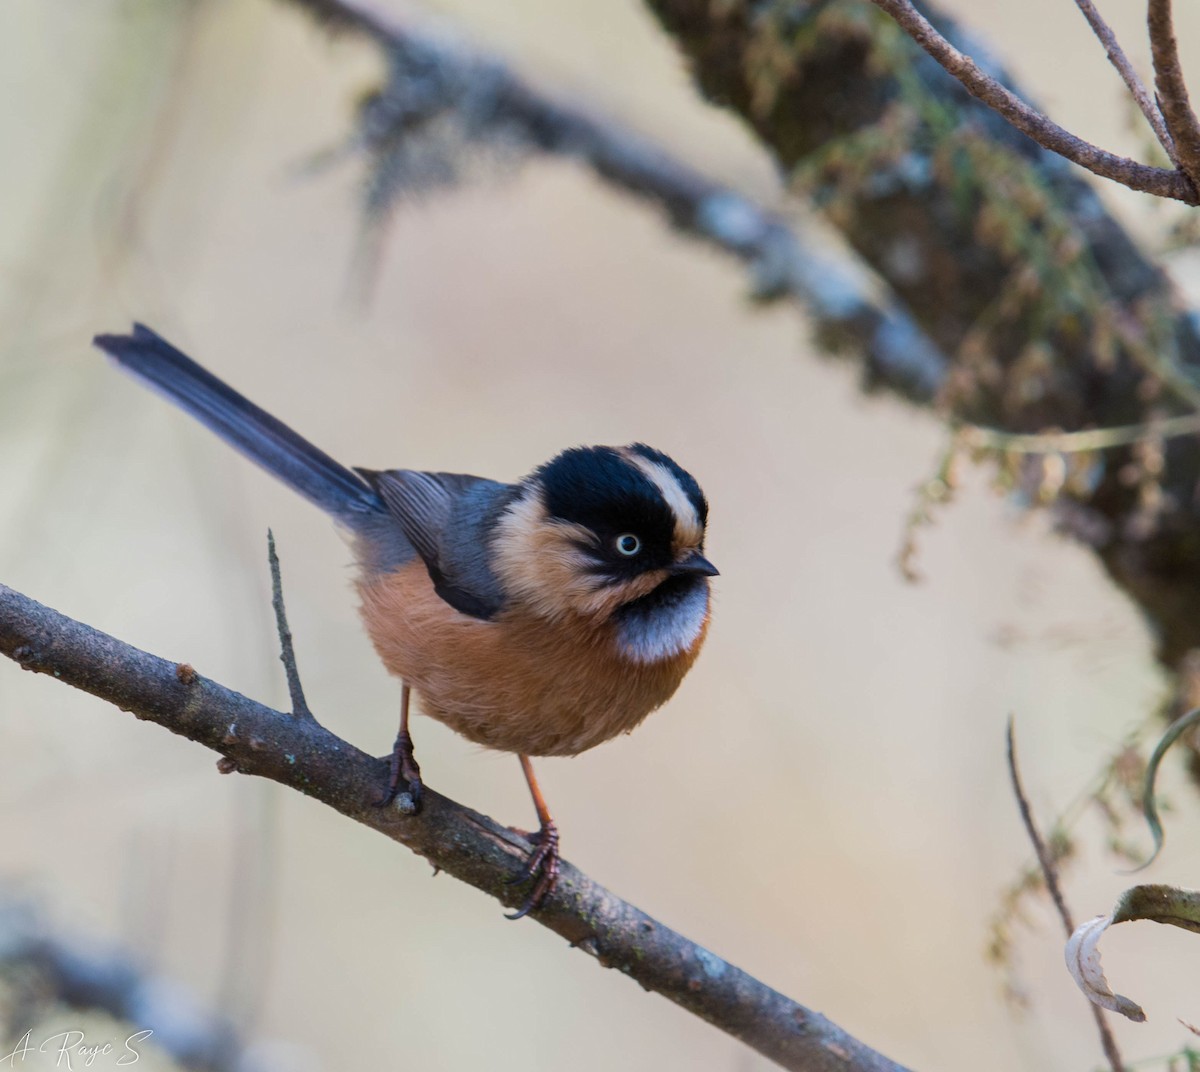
{"type": "Point", "coordinates": [541, 869]}
{"type": "Point", "coordinates": [404, 776]}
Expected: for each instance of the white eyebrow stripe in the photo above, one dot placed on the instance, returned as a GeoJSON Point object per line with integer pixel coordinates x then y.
{"type": "Point", "coordinates": [688, 529]}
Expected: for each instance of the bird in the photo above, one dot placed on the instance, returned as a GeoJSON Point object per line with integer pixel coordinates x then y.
{"type": "Point", "coordinates": [541, 617]}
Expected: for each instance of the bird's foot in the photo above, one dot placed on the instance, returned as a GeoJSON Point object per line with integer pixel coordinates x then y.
{"type": "Point", "coordinates": [404, 777]}
{"type": "Point", "coordinates": [541, 869]}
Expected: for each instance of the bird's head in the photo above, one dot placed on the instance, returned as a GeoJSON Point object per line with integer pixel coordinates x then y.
{"type": "Point", "coordinates": [614, 535]}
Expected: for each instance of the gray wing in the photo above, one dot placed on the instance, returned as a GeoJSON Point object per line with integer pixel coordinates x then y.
{"type": "Point", "coordinates": [448, 518]}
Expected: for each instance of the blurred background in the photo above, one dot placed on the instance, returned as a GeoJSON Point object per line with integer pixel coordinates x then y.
{"type": "Point", "coordinates": [825, 801]}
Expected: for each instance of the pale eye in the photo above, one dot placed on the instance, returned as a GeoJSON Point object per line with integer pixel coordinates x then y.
{"type": "Point", "coordinates": [628, 545]}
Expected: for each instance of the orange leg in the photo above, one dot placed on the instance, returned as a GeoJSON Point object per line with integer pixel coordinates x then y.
{"type": "Point", "coordinates": [404, 767]}
{"type": "Point", "coordinates": [542, 866]}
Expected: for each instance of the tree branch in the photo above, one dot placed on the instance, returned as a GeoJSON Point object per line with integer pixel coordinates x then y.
{"type": "Point", "coordinates": [1172, 89]}
{"type": "Point", "coordinates": [1052, 315]}
{"type": "Point", "coordinates": [303, 755]}
{"type": "Point", "coordinates": [436, 77]}
{"type": "Point", "coordinates": [1161, 182]}
{"type": "Point", "coordinates": [1117, 57]}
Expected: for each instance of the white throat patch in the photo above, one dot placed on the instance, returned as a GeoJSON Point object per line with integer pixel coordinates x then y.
{"type": "Point", "coordinates": [665, 631]}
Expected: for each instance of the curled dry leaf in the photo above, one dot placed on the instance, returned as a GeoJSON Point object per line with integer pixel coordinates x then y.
{"type": "Point", "coordinates": [1159, 904]}
{"type": "Point", "coordinates": [1083, 962]}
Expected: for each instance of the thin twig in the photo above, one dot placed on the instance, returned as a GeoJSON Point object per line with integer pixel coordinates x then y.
{"type": "Point", "coordinates": [1162, 182]}
{"type": "Point", "coordinates": [1133, 81]}
{"type": "Point", "coordinates": [1050, 874]}
{"type": "Point", "coordinates": [1045, 859]}
{"type": "Point", "coordinates": [287, 653]}
{"type": "Point", "coordinates": [303, 755]}
{"type": "Point", "coordinates": [1172, 89]}
{"type": "Point", "coordinates": [1088, 439]}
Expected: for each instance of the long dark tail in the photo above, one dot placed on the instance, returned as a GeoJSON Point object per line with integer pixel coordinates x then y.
{"type": "Point", "coordinates": [259, 436]}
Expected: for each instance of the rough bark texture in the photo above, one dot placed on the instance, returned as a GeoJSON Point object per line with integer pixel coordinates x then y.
{"type": "Point", "coordinates": [1172, 88]}
{"type": "Point", "coordinates": [298, 752]}
{"type": "Point", "coordinates": [1053, 318]}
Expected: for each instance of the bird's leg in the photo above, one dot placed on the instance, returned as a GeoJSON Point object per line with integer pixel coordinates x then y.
{"type": "Point", "coordinates": [404, 767]}
{"type": "Point", "coordinates": [542, 866]}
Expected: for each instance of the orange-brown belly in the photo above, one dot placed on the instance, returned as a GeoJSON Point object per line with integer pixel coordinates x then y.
{"type": "Point", "coordinates": [517, 683]}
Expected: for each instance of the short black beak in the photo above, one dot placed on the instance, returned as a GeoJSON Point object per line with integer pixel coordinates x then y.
{"type": "Point", "coordinates": [696, 564]}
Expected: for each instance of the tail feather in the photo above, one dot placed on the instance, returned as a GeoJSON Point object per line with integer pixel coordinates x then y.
{"type": "Point", "coordinates": [262, 438]}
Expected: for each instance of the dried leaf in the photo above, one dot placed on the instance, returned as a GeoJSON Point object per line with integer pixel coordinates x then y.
{"type": "Point", "coordinates": [1159, 904]}
{"type": "Point", "coordinates": [1083, 962]}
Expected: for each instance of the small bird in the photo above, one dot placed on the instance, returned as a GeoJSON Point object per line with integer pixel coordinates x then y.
{"type": "Point", "coordinates": [542, 617]}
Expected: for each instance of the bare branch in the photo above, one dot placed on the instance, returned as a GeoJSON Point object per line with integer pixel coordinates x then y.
{"type": "Point", "coordinates": [1050, 874]}
{"type": "Point", "coordinates": [287, 653]}
{"type": "Point", "coordinates": [1137, 89]}
{"type": "Point", "coordinates": [1161, 182]}
{"type": "Point", "coordinates": [303, 755]}
{"type": "Point", "coordinates": [1172, 89]}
